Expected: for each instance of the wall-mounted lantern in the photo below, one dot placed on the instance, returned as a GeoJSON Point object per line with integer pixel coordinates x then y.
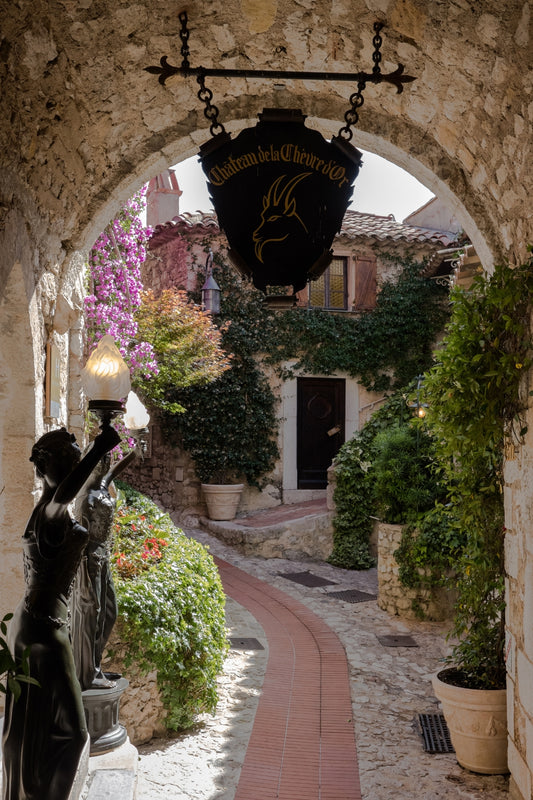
{"type": "Point", "coordinates": [416, 406]}
{"type": "Point", "coordinates": [210, 290]}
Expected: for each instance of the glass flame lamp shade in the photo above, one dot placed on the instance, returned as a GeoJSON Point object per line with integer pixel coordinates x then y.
{"type": "Point", "coordinates": [136, 417]}
{"type": "Point", "coordinates": [106, 377]}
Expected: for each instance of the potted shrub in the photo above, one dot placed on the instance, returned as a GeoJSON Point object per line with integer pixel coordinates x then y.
{"type": "Point", "coordinates": [474, 394]}
{"type": "Point", "coordinates": [228, 431]}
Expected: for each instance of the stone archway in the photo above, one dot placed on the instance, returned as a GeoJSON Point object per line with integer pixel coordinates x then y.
{"type": "Point", "coordinates": [85, 125]}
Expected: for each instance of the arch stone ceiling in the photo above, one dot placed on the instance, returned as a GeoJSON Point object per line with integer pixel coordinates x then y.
{"type": "Point", "coordinates": [84, 124]}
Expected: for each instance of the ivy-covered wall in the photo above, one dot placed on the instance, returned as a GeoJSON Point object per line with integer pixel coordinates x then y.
{"type": "Point", "coordinates": [375, 351]}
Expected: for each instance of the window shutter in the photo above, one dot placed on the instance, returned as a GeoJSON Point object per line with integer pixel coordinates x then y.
{"type": "Point", "coordinates": [365, 284]}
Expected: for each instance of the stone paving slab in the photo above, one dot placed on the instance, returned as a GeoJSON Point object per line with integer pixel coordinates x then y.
{"type": "Point", "coordinates": [390, 686]}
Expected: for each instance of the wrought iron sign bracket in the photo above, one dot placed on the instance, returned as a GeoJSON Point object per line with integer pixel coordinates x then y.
{"type": "Point", "coordinates": [396, 78]}
{"type": "Point", "coordinates": [280, 190]}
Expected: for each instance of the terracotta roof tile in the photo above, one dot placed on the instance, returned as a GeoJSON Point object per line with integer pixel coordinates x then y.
{"type": "Point", "coordinates": [204, 222]}
{"type": "Point", "coordinates": [356, 225]}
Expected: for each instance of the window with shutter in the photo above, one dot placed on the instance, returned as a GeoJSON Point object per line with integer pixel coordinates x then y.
{"type": "Point", "coordinates": [365, 284]}
{"type": "Point", "coordinates": [330, 290]}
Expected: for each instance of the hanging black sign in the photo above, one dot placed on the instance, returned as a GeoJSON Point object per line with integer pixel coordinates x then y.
{"type": "Point", "coordinates": [280, 191]}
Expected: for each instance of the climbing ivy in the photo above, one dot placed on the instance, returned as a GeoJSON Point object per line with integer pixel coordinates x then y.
{"type": "Point", "coordinates": [476, 403]}
{"type": "Point", "coordinates": [384, 348]}
{"type": "Point", "coordinates": [230, 426]}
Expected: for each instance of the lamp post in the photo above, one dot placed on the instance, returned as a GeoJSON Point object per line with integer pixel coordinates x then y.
{"type": "Point", "coordinates": [106, 382]}
{"type": "Point", "coordinates": [417, 407]}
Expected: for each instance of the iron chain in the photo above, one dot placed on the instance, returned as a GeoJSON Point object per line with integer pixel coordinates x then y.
{"type": "Point", "coordinates": [377, 41]}
{"type": "Point", "coordinates": [352, 115]}
{"type": "Point", "coordinates": [356, 100]}
{"type": "Point", "coordinates": [210, 110]}
{"type": "Point", "coordinates": [184, 36]}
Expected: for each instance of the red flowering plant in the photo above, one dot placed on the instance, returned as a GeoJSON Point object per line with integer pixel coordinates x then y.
{"type": "Point", "coordinates": [140, 538]}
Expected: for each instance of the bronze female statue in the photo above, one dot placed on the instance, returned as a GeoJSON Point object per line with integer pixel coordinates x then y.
{"type": "Point", "coordinates": [93, 601]}
{"type": "Point", "coordinates": [45, 730]}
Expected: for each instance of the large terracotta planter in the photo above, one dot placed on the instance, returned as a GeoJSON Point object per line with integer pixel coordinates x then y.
{"type": "Point", "coordinates": [222, 499]}
{"type": "Point", "coordinates": [477, 721]}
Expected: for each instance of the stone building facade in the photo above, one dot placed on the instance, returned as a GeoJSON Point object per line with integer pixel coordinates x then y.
{"type": "Point", "coordinates": [83, 125]}
{"type": "Point", "coordinates": [367, 253]}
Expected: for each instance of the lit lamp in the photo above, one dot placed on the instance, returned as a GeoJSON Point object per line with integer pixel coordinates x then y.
{"type": "Point", "coordinates": [418, 408]}
{"type": "Point", "coordinates": [106, 380]}
{"type": "Point", "coordinates": [210, 289]}
{"type": "Point", "coordinates": [136, 419]}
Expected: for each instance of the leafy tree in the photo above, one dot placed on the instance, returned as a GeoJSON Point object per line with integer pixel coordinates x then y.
{"type": "Point", "coordinates": [475, 405]}
{"type": "Point", "coordinates": [186, 343]}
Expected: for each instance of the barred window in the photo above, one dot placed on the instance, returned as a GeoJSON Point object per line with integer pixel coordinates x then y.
{"type": "Point", "coordinates": [330, 290]}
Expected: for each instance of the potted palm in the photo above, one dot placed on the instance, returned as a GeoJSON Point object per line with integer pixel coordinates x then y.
{"type": "Point", "coordinates": [475, 403]}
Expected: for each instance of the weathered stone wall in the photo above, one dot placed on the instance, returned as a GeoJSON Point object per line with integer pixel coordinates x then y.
{"type": "Point", "coordinates": [85, 128]}
{"type": "Point", "coordinates": [52, 315]}
{"type": "Point", "coordinates": [519, 613]}
{"type": "Point", "coordinates": [141, 710]}
{"type": "Point", "coordinates": [84, 125]}
{"type": "Point", "coordinates": [393, 596]}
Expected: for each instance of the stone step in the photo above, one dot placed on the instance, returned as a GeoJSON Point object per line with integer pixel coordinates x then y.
{"type": "Point", "coordinates": [113, 775]}
{"type": "Point", "coordinates": [305, 532]}
{"type": "Point", "coordinates": [111, 784]}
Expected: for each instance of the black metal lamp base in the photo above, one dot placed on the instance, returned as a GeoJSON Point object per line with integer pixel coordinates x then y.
{"type": "Point", "coordinates": [101, 713]}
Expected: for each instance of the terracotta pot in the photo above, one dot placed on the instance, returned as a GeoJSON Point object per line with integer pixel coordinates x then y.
{"type": "Point", "coordinates": [477, 721]}
{"type": "Point", "coordinates": [222, 499]}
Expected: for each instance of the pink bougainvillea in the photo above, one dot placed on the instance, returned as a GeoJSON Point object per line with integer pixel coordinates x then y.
{"type": "Point", "coordinates": [115, 287]}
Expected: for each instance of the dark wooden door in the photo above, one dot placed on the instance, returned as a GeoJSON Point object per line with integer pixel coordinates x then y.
{"type": "Point", "coordinates": [320, 428]}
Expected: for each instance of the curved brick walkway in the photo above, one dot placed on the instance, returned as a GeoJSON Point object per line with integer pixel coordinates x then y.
{"type": "Point", "coordinates": [302, 745]}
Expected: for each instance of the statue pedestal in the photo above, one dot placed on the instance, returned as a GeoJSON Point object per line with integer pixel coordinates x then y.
{"type": "Point", "coordinates": [101, 712]}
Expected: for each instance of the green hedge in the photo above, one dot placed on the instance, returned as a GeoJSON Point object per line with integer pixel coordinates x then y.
{"type": "Point", "coordinates": [171, 607]}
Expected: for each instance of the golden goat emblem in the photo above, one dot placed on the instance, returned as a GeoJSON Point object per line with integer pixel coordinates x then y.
{"type": "Point", "coordinates": [279, 218]}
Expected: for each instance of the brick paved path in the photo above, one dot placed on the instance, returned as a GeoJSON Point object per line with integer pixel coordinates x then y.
{"type": "Point", "coordinates": [302, 745]}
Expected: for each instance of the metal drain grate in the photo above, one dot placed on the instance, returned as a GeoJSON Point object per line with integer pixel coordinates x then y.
{"type": "Point", "coordinates": [352, 596]}
{"type": "Point", "coordinates": [245, 644]}
{"type": "Point", "coordinates": [392, 640]}
{"type": "Point", "coordinates": [307, 579]}
{"type": "Point", "coordinates": [435, 733]}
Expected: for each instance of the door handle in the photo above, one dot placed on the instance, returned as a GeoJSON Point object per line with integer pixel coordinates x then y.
{"type": "Point", "coordinates": [333, 431]}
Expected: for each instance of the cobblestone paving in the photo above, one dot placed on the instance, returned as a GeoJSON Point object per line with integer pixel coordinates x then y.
{"type": "Point", "coordinates": [390, 687]}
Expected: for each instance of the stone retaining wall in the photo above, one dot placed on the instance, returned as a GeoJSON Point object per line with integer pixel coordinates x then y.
{"type": "Point", "coordinates": [141, 709]}
{"type": "Point", "coordinates": [393, 596]}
